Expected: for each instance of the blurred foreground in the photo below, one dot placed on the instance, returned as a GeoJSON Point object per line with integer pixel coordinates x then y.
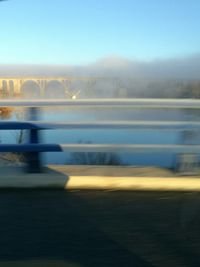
{"type": "Point", "coordinates": [98, 228]}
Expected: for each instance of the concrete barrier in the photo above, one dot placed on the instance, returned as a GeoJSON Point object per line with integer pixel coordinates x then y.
{"type": "Point", "coordinates": [98, 178]}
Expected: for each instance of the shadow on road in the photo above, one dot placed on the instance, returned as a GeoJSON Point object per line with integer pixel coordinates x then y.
{"type": "Point", "coordinates": [56, 228]}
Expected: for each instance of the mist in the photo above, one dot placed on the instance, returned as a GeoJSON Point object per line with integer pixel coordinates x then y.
{"type": "Point", "coordinates": [187, 67]}
{"type": "Point", "coordinates": [156, 78]}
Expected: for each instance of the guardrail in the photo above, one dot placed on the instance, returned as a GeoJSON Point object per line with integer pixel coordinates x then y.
{"type": "Point", "coordinates": [34, 147]}
{"type": "Point", "coordinates": [112, 102]}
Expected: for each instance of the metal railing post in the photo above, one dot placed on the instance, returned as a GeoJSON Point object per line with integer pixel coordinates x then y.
{"type": "Point", "coordinates": [33, 158]}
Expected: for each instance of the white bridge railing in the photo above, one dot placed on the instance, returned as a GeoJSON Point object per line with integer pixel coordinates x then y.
{"type": "Point", "coordinates": [35, 146]}
{"type": "Point", "coordinates": [114, 102]}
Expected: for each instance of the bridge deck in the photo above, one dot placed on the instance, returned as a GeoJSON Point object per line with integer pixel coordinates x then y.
{"type": "Point", "coordinates": [99, 228]}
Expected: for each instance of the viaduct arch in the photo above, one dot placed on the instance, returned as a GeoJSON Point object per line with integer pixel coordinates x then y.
{"type": "Point", "coordinates": [45, 86]}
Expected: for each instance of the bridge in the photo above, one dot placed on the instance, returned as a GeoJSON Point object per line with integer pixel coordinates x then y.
{"type": "Point", "coordinates": [108, 193]}
{"type": "Point", "coordinates": [52, 86]}
{"type": "Point", "coordinates": [186, 153]}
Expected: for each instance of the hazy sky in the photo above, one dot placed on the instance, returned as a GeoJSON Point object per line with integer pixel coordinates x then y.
{"type": "Point", "coordinates": [82, 31]}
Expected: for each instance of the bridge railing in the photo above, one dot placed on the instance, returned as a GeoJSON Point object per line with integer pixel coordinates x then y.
{"type": "Point", "coordinates": [34, 147]}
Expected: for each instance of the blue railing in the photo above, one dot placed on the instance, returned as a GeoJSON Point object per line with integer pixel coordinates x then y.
{"type": "Point", "coordinates": [34, 147]}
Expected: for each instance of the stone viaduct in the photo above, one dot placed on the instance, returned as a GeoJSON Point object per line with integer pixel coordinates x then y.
{"type": "Point", "coordinates": [41, 86]}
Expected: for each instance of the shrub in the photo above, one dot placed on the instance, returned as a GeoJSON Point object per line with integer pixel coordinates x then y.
{"type": "Point", "coordinates": [5, 112]}
{"type": "Point", "coordinates": [94, 158]}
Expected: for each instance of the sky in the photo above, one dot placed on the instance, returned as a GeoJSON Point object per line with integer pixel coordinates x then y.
{"type": "Point", "coordinates": [79, 32]}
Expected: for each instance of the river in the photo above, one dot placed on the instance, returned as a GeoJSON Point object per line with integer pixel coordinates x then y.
{"type": "Point", "coordinates": [120, 136]}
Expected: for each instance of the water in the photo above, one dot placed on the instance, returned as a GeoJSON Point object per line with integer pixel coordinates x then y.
{"type": "Point", "coordinates": [109, 136]}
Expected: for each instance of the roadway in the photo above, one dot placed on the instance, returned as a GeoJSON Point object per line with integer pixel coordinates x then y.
{"type": "Point", "coordinates": [99, 228]}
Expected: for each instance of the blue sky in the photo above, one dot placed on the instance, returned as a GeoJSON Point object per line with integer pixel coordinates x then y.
{"type": "Point", "coordinates": [83, 31]}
